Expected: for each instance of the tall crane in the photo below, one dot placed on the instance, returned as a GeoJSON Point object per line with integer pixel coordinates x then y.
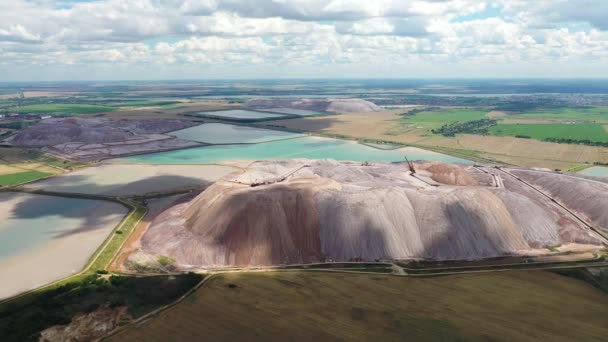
{"type": "Point", "coordinates": [410, 165]}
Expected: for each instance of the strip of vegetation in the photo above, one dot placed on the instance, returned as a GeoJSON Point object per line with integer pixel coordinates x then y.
{"type": "Point", "coordinates": [530, 265]}
{"type": "Point", "coordinates": [468, 127]}
{"type": "Point", "coordinates": [577, 142]}
{"type": "Point", "coordinates": [21, 177]}
{"type": "Point", "coordinates": [599, 279]}
{"type": "Point", "coordinates": [340, 265]}
{"type": "Point", "coordinates": [23, 321]}
{"type": "Point", "coordinates": [415, 111]}
{"type": "Point", "coordinates": [144, 103]}
{"type": "Point", "coordinates": [116, 240]}
{"type": "Point", "coordinates": [63, 108]}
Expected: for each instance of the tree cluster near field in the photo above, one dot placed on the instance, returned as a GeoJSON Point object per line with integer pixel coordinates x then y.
{"type": "Point", "coordinates": [469, 127]}
{"type": "Point", "coordinates": [23, 321]}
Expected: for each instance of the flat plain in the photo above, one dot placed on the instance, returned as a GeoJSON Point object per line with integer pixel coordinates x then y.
{"type": "Point", "coordinates": [279, 306]}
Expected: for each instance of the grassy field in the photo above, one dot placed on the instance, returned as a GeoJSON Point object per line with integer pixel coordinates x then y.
{"type": "Point", "coordinates": [147, 103]}
{"type": "Point", "coordinates": [437, 117]}
{"type": "Point", "coordinates": [579, 131]}
{"type": "Point", "coordinates": [599, 113]}
{"type": "Point", "coordinates": [279, 306]}
{"type": "Point", "coordinates": [56, 108]}
{"type": "Point", "coordinates": [22, 177]}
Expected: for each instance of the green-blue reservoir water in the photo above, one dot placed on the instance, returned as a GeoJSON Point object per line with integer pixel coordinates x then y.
{"type": "Point", "coordinates": [595, 171]}
{"type": "Point", "coordinates": [308, 147]}
{"type": "Point", "coordinates": [240, 114]}
{"type": "Point", "coordinates": [301, 112]}
{"type": "Point", "coordinates": [218, 133]}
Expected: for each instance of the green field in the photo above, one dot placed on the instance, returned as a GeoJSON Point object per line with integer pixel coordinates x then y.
{"type": "Point", "coordinates": [580, 113]}
{"type": "Point", "coordinates": [21, 177]}
{"type": "Point", "coordinates": [63, 108]}
{"type": "Point", "coordinates": [148, 103]}
{"type": "Point", "coordinates": [328, 306]}
{"type": "Point", "coordinates": [579, 131]}
{"type": "Point", "coordinates": [435, 118]}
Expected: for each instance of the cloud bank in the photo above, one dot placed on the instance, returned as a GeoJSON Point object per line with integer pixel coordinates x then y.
{"type": "Point", "coordinates": [139, 39]}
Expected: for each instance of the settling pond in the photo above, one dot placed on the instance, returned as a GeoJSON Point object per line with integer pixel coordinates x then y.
{"type": "Point", "coordinates": [595, 171]}
{"type": "Point", "coordinates": [306, 147]}
{"type": "Point", "coordinates": [46, 238]}
{"type": "Point", "coordinates": [219, 133]}
{"type": "Point", "coordinates": [240, 114]}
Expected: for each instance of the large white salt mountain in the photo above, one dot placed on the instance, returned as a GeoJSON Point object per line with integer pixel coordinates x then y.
{"type": "Point", "coordinates": [303, 211]}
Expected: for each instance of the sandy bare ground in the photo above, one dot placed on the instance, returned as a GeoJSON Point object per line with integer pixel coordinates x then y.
{"type": "Point", "coordinates": [524, 152]}
{"type": "Point", "coordinates": [76, 236]}
{"type": "Point", "coordinates": [496, 114]}
{"type": "Point", "coordinates": [133, 179]}
{"type": "Point", "coordinates": [133, 243]}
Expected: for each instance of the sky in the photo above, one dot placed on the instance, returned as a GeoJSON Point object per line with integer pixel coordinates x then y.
{"type": "Point", "coordinates": [50, 40]}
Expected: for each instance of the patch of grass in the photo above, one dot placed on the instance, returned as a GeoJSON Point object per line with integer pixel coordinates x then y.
{"type": "Point", "coordinates": [65, 108]}
{"type": "Point", "coordinates": [109, 251]}
{"type": "Point", "coordinates": [21, 177]}
{"type": "Point", "coordinates": [578, 131]}
{"type": "Point", "coordinates": [165, 260]}
{"type": "Point", "coordinates": [23, 321]}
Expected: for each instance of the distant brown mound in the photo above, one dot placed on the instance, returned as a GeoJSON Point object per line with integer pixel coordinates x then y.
{"type": "Point", "coordinates": [319, 105]}
{"type": "Point", "coordinates": [311, 211]}
{"type": "Point", "coordinates": [448, 174]}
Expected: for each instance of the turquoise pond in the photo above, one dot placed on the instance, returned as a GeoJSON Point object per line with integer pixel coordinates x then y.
{"type": "Point", "coordinates": [219, 133]}
{"type": "Point", "coordinates": [595, 171]}
{"type": "Point", "coordinates": [307, 147]}
{"type": "Point", "coordinates": [240, 114]}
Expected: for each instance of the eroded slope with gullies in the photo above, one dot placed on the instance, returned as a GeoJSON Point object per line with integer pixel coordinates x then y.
{"type": "Point", "coordinates": [303, 211]}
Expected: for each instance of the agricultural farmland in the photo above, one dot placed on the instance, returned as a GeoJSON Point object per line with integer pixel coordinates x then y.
{"type": "Point", "coordinates": [21, 177]}
{"type": "Point", "coordinates": [356, 307]}
{"type": "Point", "coordinates": [51, 109]}
{"type": "Point", "coordinates": [573, 131]}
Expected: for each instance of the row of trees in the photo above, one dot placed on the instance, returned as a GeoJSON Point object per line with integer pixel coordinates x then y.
{"type": "Point", "coordinates": [576, 141]}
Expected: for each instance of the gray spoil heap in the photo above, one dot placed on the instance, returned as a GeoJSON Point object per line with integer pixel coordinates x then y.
{"type": "Point", "coordinates": [90, 131]}
{"type": "Point", "coordinates": [319, 105]}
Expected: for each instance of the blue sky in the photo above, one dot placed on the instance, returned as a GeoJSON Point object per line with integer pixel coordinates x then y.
{"type": "Point", "coordinates": [175, 39]}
